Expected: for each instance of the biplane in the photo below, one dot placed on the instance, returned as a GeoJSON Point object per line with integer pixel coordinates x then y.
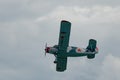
{"type": "Point", "coordinates": [63, 50]}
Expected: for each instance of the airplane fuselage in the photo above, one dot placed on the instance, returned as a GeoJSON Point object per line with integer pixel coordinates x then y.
{"type": "Point", "coordinates": [71, 51]}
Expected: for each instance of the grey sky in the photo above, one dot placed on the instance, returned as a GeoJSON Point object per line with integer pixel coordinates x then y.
{"type": "Point", "coordinates": [26, 25]}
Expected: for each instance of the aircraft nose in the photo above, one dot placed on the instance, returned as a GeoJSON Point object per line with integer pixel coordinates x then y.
{"type": "Point", "coordinates": [47, 49]}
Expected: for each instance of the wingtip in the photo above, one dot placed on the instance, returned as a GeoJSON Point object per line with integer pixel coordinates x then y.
{"type": "Point", "coordinates": [65, 21]}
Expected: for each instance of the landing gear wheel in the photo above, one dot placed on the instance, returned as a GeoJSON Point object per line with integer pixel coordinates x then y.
{"type": "Point", "coordinates": [55, 62]}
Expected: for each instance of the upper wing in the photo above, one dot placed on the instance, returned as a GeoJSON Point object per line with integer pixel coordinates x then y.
{"type": "Point", "coordinates": [64, 35]}
{"type": "Point", "coordinates": [63, 44]}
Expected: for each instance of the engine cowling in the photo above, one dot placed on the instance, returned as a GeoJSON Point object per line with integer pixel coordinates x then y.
{"type": "Point", "coordinates": [51, 50]}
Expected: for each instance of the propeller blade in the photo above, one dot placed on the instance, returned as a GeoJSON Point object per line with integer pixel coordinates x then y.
{"type": "Point", "coordinates": [45, 48]}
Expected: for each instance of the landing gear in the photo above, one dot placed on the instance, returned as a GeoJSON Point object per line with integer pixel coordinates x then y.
{"type": "Point", "coordinates": [55, 62]}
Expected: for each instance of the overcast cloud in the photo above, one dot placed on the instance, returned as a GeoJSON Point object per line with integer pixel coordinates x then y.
{"type": "Point", "coordinates": [26, 25]}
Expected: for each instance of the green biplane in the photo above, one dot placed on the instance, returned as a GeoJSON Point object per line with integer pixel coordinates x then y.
{"type": "Point", "coordinates": [63, 50]}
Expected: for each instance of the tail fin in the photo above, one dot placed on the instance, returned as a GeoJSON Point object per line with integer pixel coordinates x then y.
{"type": "Point", "coordinates": [92, 45]}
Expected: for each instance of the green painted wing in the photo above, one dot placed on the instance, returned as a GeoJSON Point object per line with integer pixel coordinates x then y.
{"type": "Point", "coordinates": [64, 35]}
{"type": "Point", "coordinates": [61, 64]}
{"type": "Point", "coordinates": [63, 44]}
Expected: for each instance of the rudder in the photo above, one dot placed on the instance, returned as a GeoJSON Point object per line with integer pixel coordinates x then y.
{"type": "Point", "coordinates": [92, 45]}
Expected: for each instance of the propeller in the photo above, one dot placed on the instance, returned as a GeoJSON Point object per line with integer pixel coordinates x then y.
{"type": "Point", "coordinates": [45, 48]}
